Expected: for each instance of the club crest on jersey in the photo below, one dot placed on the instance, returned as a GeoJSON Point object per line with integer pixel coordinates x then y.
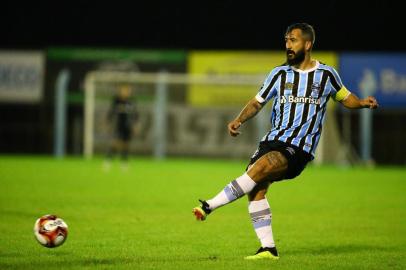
{"type": "Point", "coordinates": [315, 89]}
{"type": "Point", "coordinates": [289, 86]}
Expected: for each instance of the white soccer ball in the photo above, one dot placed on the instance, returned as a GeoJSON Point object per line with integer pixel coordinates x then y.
{"type": "Point", "coordinates": [50, 231]}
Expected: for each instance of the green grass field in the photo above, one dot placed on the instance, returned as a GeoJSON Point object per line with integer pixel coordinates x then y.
{"type": "Point", "coordinates": [328, 218]}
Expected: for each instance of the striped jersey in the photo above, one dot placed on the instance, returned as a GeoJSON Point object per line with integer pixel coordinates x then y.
{"type": "Point", "coordinates": [300, 102]}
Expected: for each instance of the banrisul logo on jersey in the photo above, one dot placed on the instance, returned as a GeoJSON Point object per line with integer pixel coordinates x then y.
{"type": "Point", "coordinates": [306, 100]}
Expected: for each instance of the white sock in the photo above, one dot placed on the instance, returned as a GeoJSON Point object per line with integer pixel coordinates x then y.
{"type": "Point", "coordinates": [234, 190]}
{"type": "Point", "coordinates": [261, 217]}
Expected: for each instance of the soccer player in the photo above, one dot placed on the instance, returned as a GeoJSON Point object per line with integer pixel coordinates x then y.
{"type": "Point", "coordinates": [300, 88]}
{"type": "Point", "coordinates": [122, 116]}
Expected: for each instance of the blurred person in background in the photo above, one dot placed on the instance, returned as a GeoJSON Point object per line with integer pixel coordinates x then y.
{"type": "Point", "coordinates": [122, 119]}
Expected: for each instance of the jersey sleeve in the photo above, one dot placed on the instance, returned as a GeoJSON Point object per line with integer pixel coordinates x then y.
{"type": "Point", "coordinates": [268, 89]}
{"type": "Point", "coordinates": [339, 92]}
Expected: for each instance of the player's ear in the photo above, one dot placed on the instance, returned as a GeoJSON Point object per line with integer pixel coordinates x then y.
{"type": "Point", "coordinates": [308, 45]}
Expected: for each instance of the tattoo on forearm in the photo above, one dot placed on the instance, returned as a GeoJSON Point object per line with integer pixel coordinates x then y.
{"type": "Point", "coordinates": [249, 111]}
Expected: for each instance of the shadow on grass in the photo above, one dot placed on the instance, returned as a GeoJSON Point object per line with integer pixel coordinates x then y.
{"type": "Point", "coordinates": [341, 249]}
{"type": "Point", "coordinates": [99, 262]}
{"type": "Point", "coordinates": [87, 262]}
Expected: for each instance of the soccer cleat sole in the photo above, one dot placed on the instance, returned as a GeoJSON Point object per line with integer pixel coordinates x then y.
{"type": "Point", "coordinates": [199, 213]}
{"type": "Point", "coordinates": [262, 256]}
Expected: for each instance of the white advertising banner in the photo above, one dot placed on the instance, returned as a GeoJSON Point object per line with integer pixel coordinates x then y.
{"type": "Point", "coordinates": [21, 76]}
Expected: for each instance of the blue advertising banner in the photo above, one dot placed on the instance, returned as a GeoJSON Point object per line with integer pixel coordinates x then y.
{"type": "Point", "coordinates": [376, 74]}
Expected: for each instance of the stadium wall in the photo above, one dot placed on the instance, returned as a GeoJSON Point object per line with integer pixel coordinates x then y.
{"type": "Point", "coordinates": [27, 127]}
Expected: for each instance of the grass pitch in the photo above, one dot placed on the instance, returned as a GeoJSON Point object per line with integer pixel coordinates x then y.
{"type": "Point", "coordinates": [328, 218]}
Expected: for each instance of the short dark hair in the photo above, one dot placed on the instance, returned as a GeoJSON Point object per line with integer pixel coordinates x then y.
{"type": "Point", "coordinates": [306, 28]}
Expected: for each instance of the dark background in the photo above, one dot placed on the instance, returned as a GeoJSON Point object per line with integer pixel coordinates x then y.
{"type": "Point", "coordinates": [339, 25]}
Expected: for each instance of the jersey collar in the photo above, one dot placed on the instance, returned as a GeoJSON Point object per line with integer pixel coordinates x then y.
{"type": "Point", "coordinates": [316, 66]}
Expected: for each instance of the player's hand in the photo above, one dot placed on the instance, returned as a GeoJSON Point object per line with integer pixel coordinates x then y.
{"type": "Point", "coordinates": [369, 102]}
{"type": "Point", "coordinates": [233, 127]}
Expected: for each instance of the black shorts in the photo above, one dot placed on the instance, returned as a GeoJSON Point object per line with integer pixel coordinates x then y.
{"type": "Point", "coordinates": [297, 158]}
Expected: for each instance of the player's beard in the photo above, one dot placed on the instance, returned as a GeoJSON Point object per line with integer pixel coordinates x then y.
{"type": "Point", "coordinates": [297, 58]}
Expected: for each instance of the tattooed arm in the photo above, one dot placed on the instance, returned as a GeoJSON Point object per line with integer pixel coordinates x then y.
{"type": "Point", "coordinates": [249, 111]}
